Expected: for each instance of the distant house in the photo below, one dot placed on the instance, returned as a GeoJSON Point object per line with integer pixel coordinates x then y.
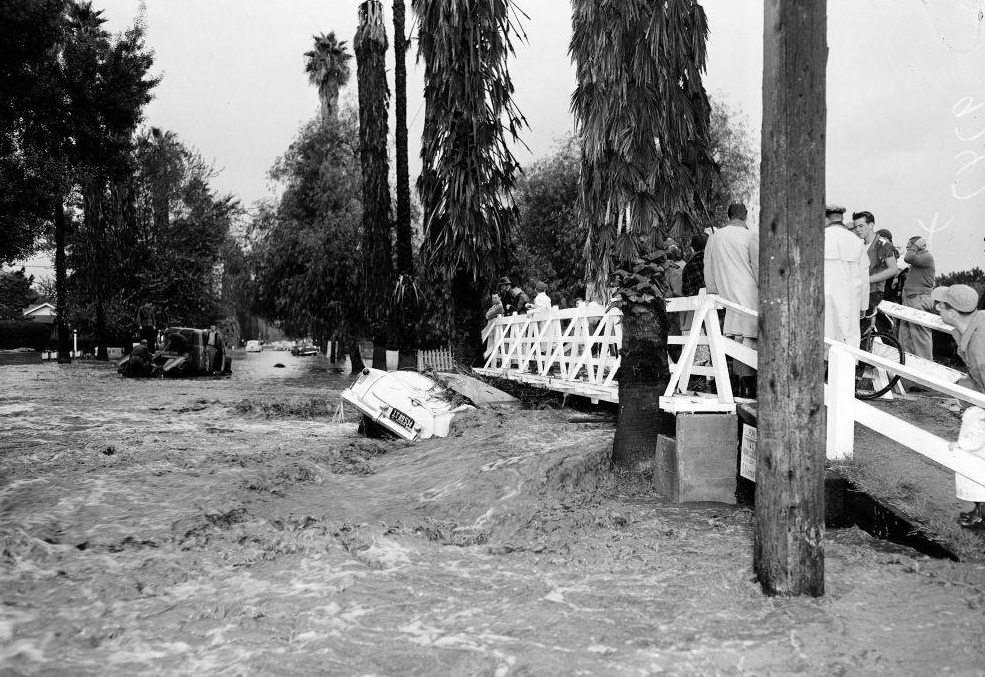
{"type": "Point", "coordinates": [44, 312]}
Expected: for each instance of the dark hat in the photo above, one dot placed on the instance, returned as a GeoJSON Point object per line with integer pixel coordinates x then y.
{"type": "Point", "coordinates": [504, 281]}
{"type": "Point", "coordinates": [834, 209]}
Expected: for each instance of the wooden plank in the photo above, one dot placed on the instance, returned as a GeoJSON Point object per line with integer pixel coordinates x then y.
{"type": "Point", "coordinates": [925, 443]}
{"type": "Point", "coordinates": [915, 316]}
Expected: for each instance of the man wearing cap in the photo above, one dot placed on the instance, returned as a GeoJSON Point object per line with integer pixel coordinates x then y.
{"type": "Point", "coordinates": [514, 299]}
{"type": "Point", "coordinates": [957, 306]}
{"type": "Point", "coordinates": [846, 278]}
{"type": "Point", "coordinates": [732, 272]}
{"type": "Point", "coordinates": [915, 338]}
{"type": "Point", "coordinates": [882, 260]}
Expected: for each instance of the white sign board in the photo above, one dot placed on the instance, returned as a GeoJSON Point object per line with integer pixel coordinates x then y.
{"type": "Point", "coordinates": [747, 465]}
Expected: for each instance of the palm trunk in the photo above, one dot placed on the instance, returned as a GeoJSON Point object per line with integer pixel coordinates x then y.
{"type": "Point", "coordinates": [405, 250]}
{"type": "Point", "coordinates": [643, 376]}
{"type": "Point", "coordinates": [61, 285]}
{"type": "Point", "coordinates": [355, 357]}
{"type": "Point", "coordinates": [370, 47]}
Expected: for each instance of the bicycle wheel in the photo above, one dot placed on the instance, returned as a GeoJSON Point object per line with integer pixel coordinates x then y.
{"type": "Point", "coordinates": [870, 382]}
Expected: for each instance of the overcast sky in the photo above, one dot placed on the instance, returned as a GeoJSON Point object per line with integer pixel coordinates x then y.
{"type": "Point", "coordinates": [906, 95]}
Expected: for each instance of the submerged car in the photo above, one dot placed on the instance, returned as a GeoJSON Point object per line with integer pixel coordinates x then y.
{"type": "Point", "coordinates": [185, 352]}
{"type": "Point", "coordinates": [254, 347]}
{"type": "Point", "coordinates": [304, 350]}
{"type": "Point", "coordinates": [404, 403]}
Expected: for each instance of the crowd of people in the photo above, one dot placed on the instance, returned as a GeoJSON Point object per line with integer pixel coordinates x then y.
{"type": "Point", "coordinates": [862, 267]}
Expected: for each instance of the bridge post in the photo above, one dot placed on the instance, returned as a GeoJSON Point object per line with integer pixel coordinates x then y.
{"type": "Point", "coordinates": [840, 398]}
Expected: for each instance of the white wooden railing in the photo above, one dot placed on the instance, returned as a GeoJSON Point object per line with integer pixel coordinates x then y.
{"type": "Point", "coordinates": [576, 350]}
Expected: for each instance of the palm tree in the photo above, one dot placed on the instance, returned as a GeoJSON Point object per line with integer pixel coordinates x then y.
{"type": "Point", "coordinates": [405, 250]}
{"type": "Point", "coordinates": [374, 96]}
{"type": "Point", "coordinates": [404, 308]}
{"type": "Point", "coordinates": [327, 66]}
{"type": "Point", "coordinates": [469, 171]}
{"type": "Point", "coordinates": [642, 114]}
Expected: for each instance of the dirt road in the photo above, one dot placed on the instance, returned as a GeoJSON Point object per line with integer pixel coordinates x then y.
{"type": "Point", "coordinates": [235, 527]}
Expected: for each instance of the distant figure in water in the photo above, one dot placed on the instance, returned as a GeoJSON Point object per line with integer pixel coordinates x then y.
{"type": "Point", "coordinates": [141, 361]}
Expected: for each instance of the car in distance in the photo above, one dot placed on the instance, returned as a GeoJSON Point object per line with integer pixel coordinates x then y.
{"type": "Point", "coordinates": [304, 349]}
{"type": "Point", "coordinates": [254, 347]}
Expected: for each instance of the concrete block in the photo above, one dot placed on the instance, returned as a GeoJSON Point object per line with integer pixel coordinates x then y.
{"type": "Point", "coordinates": [699, 463]}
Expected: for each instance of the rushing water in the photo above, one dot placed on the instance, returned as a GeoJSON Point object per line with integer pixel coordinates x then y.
{"type": "Point", "coordinates": [240, 526]}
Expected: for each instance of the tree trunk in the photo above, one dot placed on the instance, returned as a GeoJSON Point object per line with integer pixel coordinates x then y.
{"type": "Point", "coordinates": [370, 47]}
{"type": "Point", "coordinates": [379, 346]}
{"type": "Point", "coordinates": [469, 319]}
{"type": "Point", "coordinates": [643, 377]}
{"type": "Point", "coordinates": [61, 285]}
{"type": "Point", "coordinates": [789, 534]}
{"type": "Point", "coordinates": [405, 249]}
{"type": "Point", "coordinates": [355, 357]}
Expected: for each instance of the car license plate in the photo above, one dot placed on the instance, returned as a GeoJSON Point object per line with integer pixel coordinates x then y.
{"type": "Point", "coordinates": [401, 418]}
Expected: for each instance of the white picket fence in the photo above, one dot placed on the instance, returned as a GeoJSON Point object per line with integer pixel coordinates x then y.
{"type": "Point", "coordinates": [576, 350]}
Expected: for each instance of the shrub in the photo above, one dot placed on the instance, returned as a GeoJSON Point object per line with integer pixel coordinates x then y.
{"type": "Point", "coordinates": [23, 334]}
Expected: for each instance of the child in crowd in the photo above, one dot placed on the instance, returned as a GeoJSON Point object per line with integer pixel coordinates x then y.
{"type": "Point", "coordinates": [541, 301]}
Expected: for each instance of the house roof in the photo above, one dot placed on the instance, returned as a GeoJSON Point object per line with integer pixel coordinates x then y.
{"type": "Point", "coordinates": [33, 309]}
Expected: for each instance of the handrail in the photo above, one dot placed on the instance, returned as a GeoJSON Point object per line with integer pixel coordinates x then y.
{"type": "Point", "coordinates": [573, 355]}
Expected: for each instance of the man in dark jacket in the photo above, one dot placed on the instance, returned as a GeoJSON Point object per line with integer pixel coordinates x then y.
{"type": "Point", "coordinates": [141, 361]}
{"type": "Point", "coordinates": [513, 298]}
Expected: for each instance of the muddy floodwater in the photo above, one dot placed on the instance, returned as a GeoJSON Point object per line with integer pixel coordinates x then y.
{"type": "Point", "coordinates": [240, 526]}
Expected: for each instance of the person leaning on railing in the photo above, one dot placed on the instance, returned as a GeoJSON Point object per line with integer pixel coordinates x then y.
{"type": "Point", "coordinates": [957, 306]}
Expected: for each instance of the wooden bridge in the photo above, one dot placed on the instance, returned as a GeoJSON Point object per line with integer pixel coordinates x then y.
{"type": "Point", "coordinates": [576, 351]}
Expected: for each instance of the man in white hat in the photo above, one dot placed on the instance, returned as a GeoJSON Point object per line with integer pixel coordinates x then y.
{"type": "Point", "coordinates": [846, 278]}
{"type": "Point", "coordinates": [957, 306]}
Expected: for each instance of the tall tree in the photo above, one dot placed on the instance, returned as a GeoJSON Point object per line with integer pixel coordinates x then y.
{"type": "Point", "coordinates": [305, 248]}
{"type": "Point", "coordinates": [109, 78]}
{"type": "Point", "coordinates": [32, 117]}
{"type": "Point", "coordinates": [370, 45]}
{"type": "Point", "coordinates": [405, 248]}
{"type": "Point", "coordinates": [327, 66]}
{"type": "Point", "coordinates": [642, 114]}
{"type": "Point", "coordinates": [788, 554]}
{"type": "Point", "coordinates": [469, 170]}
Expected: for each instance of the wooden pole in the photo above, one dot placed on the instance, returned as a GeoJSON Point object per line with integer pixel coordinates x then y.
{"type": "Point", "coordinates": [789, 536]}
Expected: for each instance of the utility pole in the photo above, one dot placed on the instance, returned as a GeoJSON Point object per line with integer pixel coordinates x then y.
{"type": "Point", "coordinates": [789, 537]}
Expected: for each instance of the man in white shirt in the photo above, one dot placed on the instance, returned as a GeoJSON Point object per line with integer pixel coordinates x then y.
{"type": "Point", "coordinates": [846, 278]}
{"type": "Point", "coordinates": [732, 272]}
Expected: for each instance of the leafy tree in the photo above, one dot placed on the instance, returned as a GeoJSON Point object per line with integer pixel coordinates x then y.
{"type": "Point", "coordinates": [550, 239]}
{"type": "Point", "coordinates": [374, 97]}
{"type": "Point", "coordinates": [109, 77]}
{"type": "Point", "coordinates": [327, 66]}
{"type": "Point", "coordinates": [31, 111]}
{"type": "Point", "coordinates": [469, 171]}
{"type": "Point", "coordinates": [305, 249]}
{"type": "Point", "coordinates": [735, 150]}
{"type": "Point", "coordinates": [16, 294]}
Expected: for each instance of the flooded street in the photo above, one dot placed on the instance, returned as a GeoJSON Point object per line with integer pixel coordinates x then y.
{"type": "Point", "coordinates": [240, 526]}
